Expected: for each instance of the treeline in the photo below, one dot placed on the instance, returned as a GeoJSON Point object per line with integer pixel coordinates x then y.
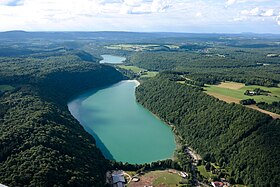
{"type": "Point", "coordinates": [238, 138]}
{"type": "Point", "coordinates": [273, 107]}
{"type": "Point", "coordinates": [211, 68]}
{"type": "Point", "coordinates": [41, 144]}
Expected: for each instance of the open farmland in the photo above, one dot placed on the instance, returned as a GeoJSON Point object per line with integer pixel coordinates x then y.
{"type": "Point", "coordinates": [234, 92]}
{"type": "Point", "coordinates": [144, 73]}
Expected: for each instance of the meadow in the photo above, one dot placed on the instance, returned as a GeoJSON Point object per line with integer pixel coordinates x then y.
{"type": "Point", "coordinates": [234, 92]}
{"type": "Point", "coordinates": [158, 178]}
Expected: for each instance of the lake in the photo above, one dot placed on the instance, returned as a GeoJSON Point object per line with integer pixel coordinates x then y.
{"type": "Point", "coordinates": [111, 59]}
{"type": "Point", "coordinates": [123, 129]}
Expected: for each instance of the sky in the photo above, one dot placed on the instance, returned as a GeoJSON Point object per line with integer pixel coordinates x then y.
{"type": "Point", "coordinates": [191, 16]}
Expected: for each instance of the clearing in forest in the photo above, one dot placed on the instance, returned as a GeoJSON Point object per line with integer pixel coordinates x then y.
{"type": "Point", "coordinates": [228, 92]}
{"type": "Point", "coordinates": [158, 178]}
{"type": "Point", "coordinates": [232, 92]}
{"type": "Point", "coordinates": [231, 85]}
{"type": "Point", "coordinates": [4, 88]}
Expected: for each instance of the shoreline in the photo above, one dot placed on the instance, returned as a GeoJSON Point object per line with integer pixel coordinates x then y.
{"type": "Point", "coordinates": [135, 81]}
{"type": "Point", "coordinates": [179, 141]}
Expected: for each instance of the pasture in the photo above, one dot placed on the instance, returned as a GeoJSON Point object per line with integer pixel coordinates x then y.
{"type": "Point", "coordinates": [234, 92]}
{"type": "Point", "coordinates": [136, 70]}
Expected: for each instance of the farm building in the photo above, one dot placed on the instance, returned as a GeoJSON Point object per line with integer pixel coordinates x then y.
{"type": "Point", "coordinates": [217, 184]}
{"type": "Point", "coordinates": [118, 179]}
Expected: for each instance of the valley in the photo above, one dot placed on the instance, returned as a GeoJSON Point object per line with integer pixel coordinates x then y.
{"type": "Point", "coordinates": [69, 114]}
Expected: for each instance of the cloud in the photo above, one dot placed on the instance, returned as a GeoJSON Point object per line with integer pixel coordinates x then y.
{"type": "Point", "coordinates": [230, 2]}
{"type": "Point", "coordinates": [11, 2]}
{"type": "Point", "coordinates": [268, 13]}
{"type": "Point", "coordinates": [258, 12]}
{"type": "Point", "coordinates": [278, 19]}
{"type": "Point", "coordinates": [252, 12]}
{"type": "Point", "coordinates": [240, 19]}
{"type": "Point", "coordinates": [138, 15]}
{"type": "Point", "coordinates": [144, 7]}
{"type": "Point", "coordinates": [160, 5]}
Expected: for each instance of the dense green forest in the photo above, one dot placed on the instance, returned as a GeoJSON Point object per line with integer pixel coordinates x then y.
{"type": "Point", "coordinates": [273, 107]}
{"type": "Point", "coordinates": [41, 144]}
{"type": "Point", "coordinates": [215, 64]}
{"type": "Point", "coordinates": [241, 139]}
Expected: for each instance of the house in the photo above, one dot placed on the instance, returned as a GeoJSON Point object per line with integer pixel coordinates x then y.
{"type": "Point", "coordinates": [217, 184]}
{"type": "Point", "coordinates": [252, 93]}
{"type": "Point", "coordinates": [183, 174]}
{"type": "Point", "coordinates": [118, 179]}
{"type": "Point", "coordinates": [135, 179]}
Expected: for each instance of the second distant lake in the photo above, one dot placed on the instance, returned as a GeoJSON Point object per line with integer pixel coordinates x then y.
{"type": "Point", "coordinates": [111, 59]}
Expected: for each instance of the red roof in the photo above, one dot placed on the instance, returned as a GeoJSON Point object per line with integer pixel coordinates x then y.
{"type": "Point", "coordinates": [217, 184]}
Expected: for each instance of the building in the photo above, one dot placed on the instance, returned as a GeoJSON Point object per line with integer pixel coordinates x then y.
{"type": "Point", "coordinates": [118, 179]}
{"type": "Point", "coordinates": [217, 184]}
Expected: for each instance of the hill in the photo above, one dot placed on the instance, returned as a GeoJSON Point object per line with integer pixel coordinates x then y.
{"type": "Point", "coordinates": [41, 144]}
{"type": "Point", "coordinates": [241, 140]}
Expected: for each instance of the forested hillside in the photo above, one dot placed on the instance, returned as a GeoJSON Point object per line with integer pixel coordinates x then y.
{"type": "Point", "coordinates": [244, 140]}
{"type": "Point", "coordinates": [213, 65]}
{"type": "Point", "coordinates": [41, 144]}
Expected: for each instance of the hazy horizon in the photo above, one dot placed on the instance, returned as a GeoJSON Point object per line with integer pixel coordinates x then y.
{"type": "Point", "coordinates": [148, 32]}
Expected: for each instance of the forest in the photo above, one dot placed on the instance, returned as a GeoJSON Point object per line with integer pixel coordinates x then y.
{"type": "Point", "coordinates": [240, 139]}
{"type": "Point", "coordinates": [273, 107]}
{"type": "Point", "coordinates": [41, 144]}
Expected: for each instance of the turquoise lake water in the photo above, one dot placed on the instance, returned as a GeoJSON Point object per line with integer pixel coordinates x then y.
{"type": "Point", "coordinates": [123, 129]}
{"type": "Point", "coordinates": [112, 59]}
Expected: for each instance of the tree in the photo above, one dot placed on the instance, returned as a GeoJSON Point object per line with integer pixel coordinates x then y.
{"type": "Point", "coordinates": [208, 166]}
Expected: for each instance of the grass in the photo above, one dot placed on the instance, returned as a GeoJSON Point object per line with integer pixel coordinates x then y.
{"type": "Point", "coordinates": [132, 47]}
{"type": "Point", "coordinates": [135, 69]}
{"type": "Point", "coordinates": [226, 94]}
{"type": "Point", "coordinates": [204, 173]}
{"type": "Point", "coordinates": [4, 88]}
{"type": "Point", "coordinates": [158, 178]}
{"type": "Point", "coordinates": [172, 46]}
{"type": "Point", "coordinates": [165, 178]}
{"type": "Point", "coordinates": [149, 74]}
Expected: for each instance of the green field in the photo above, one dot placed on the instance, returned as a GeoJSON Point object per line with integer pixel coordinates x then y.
{"type": "Point", "coordinates": [204, 173]}
{"type": "Point", "coordinates": [167, 179]}
{"type": "Point", "coordinates": [149, 74]}
{"type": "Point", "coordinates": [162, 178]}
{"type": "Point", "coordinates": [134, 47]}
{"type": "Point", "coordinates": [239, 93]}
{"type": "Point", "coordinates": [136, 70]}
{"type": "Point", "coordinates": [4, 88]}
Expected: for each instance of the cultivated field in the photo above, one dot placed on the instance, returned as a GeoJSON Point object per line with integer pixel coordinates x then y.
{"type": "Point", "coordinates": [135, 69]}
{"type": "Point", "coordinates": [134, 47]}
{"type": "Point", "coordinates": [231, 85]}
{"type": "Point", "coordinates": [234, 92]}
